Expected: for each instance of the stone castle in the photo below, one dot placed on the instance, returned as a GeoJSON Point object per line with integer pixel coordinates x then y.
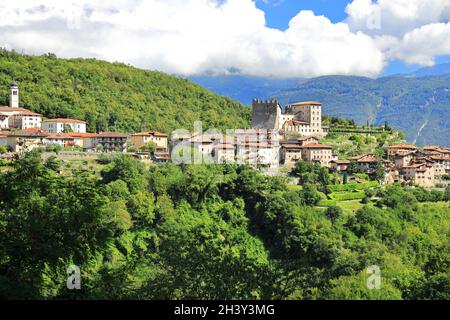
{"type": "Point", "coordinates": [302, 118]}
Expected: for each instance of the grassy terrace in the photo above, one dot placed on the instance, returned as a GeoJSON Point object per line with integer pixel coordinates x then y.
{"type": "Point", "coordinates": [350, 144]}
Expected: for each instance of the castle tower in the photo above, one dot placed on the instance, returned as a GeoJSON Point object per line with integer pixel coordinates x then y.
{"type": "Point", "coordinates": [14, 95]}
{"type": "Point", "coordinates": [266, 114]}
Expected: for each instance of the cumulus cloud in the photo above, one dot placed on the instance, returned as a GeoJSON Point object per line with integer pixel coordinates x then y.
{"type": "Point", "coordinates": [414, 31]}
{"type": "Point", "coordinates": [395, 17]}
{"type": "Point", "coordinates": [421, 45]}
{"type": "Point", "coordinates": [222, 36]}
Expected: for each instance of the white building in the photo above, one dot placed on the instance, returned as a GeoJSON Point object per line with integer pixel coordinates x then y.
{"type": "Point", "coordinates": [258, 153]}
{"type": "Point", "coordinates": [25, 120]}
{"type": "Point", "coordinates": [302, 118]}
{"type": "Point", "coordinates": [61, 125]}
{"type": "Point", "coordinates": [14, 117]}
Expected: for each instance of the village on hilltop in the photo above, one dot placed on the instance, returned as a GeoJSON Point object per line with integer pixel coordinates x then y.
{"type": "Point", "coordinates": [278, 138]}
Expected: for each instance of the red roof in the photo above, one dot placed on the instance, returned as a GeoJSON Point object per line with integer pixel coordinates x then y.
{"type": "Point", "coordinates": [340, 162]}
{"type": "Point", "coordinates": [162, 157]}
{"type": "Point", "coordinates": [60, 136]}
{"type": "Point", "coordinates": [31, 132]}
{"type": "Point", "coordinates": [292, 146]}
{"type": "Point", "coordinates": [403, 146]}
{"type": "Point", "coordinates": [6, 108]}
{"type": "Point", "coordinates": [64, 120]}
{"type": "Point", "coordinates": [306, 103]}
{"type": "Point", "coordinates": [365, 158]}
{"type": "Point", "coordinates": [438, 149]}
{"type": "Point", "coordinates": [29, 113]}
{"type": "Point", "coordinates": [82, 135]}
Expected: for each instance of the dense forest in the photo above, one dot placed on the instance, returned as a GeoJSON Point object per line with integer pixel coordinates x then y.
{"type": "Point", "coordinates": [114, 96]}
{"type": "Point", "coordinates": [212, 232]}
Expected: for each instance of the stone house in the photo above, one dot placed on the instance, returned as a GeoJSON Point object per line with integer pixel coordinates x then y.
{"type": "Point", "coordinates": [160, 139]}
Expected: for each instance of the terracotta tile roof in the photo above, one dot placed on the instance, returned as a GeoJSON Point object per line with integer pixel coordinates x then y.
{"type": "Point", "coordinates": [28, 113]}
{"type": "Point", "coordinates": [367, 158]}
{"type": "Point", "coordinates": [403, 153]}
{"type": "Point", "coordinates": [31, 132]}
{"type": "Point", "coordinates": [60, 136]}
{"type": "Point", "coordinates": [82, 135]}
{"type": "Point", "coordinates": [6, 108]}
{"type": "Point", "coordinates": [64, 120]}
{"type": "Point", "coordinates": [431, 147]}
{"type": "Point", "coordinates": [341, 161]}
{"type": "Point", "coordinates": [439, 157]}
{"type": "Point", "coordinates": [438, 149]}
{"type": "Point", "coordinates": [306, 103]}
{"type": "Point", "coordinates": [292, 146]}
{"type": "Point", "coordinates": [403, 146]}
{"type": "Point", "coordinates": [162, 156]}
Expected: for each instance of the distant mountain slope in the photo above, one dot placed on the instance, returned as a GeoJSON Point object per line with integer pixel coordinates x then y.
{"type": "Point", "coordinates": [437, 70]}
{"type": "Point", "coordinates": [242, 88]}
{"type": "Point", "coordinates": [113, 96]}
{"type": "Point", "coordinates": [419, 106]}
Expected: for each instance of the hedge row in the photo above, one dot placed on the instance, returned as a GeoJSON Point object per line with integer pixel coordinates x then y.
{"type": "Point", "coordinates": [356, 131]}
{"type": "Point", "coordinates": [353, 186]}
{"type": "Point", "coordinates": [347, 196]}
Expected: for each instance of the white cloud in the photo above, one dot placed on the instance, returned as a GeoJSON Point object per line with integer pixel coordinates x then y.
{"type": "Point", "coordinates": [396, 17]}
{"type": "Point", "coordinates": [414, 31]}
{"type": "Point", "coordinates": [421, 45]}
{"type": "Point", "coordinates": [199, 36]}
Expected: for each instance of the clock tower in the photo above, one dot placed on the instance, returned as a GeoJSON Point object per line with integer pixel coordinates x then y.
{"type": "Point", "coordinates": [14, 95]}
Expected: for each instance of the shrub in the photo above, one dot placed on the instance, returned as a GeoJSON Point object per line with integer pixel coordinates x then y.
{"type": "Point", "coordinates": [353, 186]}
{"type": "Point", "coordinates": [333, 213]}
{"type": "Point", "coordinates": [345, 196]}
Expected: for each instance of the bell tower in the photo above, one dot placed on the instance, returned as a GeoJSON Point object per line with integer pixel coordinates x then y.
{"type": "Point", "coordinates": [14, 95]}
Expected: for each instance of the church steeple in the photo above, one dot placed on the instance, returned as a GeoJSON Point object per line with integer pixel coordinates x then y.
{"type": "Point", "coordinates": [14, 95]}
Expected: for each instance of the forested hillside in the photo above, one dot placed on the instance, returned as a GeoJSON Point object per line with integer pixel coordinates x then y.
{"type": "Point", "coordinates": [114, 96]}
{"type": "Point", "coordinates": [213, 232]}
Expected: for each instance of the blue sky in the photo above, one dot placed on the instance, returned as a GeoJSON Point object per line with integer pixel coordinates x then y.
{"type": "Point", "coordinates": [280, 12]}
